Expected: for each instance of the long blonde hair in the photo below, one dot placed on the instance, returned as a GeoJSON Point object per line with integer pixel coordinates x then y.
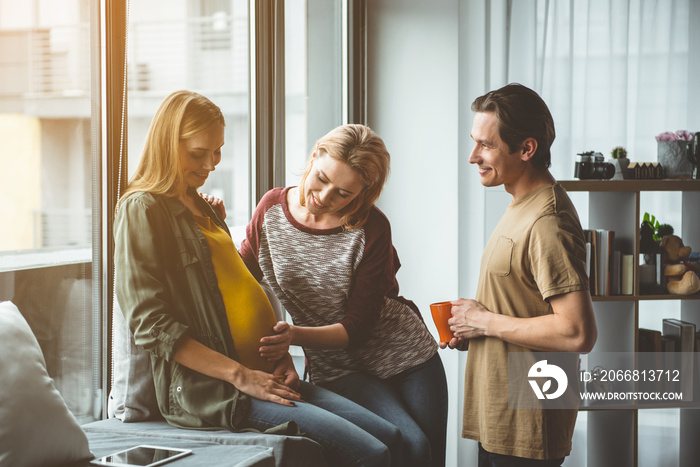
{"type": "Point", "coordinates": [180, 116]}
{"type": "Point", "coordinates": [364, 151]}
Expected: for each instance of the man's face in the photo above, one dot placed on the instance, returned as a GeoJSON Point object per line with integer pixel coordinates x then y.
{"type": "Point", "coordinates": [497, 165]}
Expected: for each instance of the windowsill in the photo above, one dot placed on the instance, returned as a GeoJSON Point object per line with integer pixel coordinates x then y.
{"type": "Point", "coordinates": [44, 258]}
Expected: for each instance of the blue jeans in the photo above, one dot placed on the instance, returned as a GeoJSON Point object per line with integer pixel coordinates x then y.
{"type": "Point", "coordinates": [415, 401]}
{"type": "Point", "coordinates": [349, 434]}
{"type": "Point", "coordinates": [490, 459]}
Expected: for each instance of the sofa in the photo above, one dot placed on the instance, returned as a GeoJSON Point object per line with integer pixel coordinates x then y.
{"type": "Point", "coordinates": [38, 429]}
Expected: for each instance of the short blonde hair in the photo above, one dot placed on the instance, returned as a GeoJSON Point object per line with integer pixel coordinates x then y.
{"type": "Point", "coordinates": [364, 151]}
{"type": "Point", "coordinates": [180, 116]}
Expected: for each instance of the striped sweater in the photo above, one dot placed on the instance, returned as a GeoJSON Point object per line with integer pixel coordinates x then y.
{"type": "Point", "coordinates": [342, 276]}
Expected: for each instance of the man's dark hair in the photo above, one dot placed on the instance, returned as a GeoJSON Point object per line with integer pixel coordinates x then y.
{"type": "Point", "coordinates": [521, 114]}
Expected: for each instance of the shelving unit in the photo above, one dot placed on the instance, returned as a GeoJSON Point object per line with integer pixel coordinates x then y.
{"type": "Point", "coordinates": [615, 205]}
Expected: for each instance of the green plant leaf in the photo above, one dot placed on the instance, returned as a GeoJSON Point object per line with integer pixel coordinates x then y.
{"type": "Point", "coordinates": [659, 230]}
{"type": "Point", "coordinates": [663, 230]}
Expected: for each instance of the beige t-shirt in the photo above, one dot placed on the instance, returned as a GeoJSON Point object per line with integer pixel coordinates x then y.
{"type": "Point", "coordinates": [536, 251]}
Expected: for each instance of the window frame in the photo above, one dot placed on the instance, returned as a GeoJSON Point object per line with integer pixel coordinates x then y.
{"type": "Point", "coordinates": [114, 172]}
{"type": "Point", "coordinates": [267, 96]}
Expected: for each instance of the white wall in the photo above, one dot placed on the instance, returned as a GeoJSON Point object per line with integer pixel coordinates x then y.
{"type": "Point", "coordinates": [413, 95]}
{"type": "Point", "coordinates": [421, 83]}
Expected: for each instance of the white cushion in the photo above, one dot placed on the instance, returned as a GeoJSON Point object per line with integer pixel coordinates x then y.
{"type": "Point", "coordinates": [36, 426]}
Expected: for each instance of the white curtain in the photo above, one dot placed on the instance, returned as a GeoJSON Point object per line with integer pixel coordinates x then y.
{"type": "Point", "coordinates": [614, 72]}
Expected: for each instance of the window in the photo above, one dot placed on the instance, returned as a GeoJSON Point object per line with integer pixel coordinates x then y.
{"type": "Point", "coordinates": [213, 28]}
{"type": "Point", "coordinates": [314, 84]}
{"type": "Point", "coordinates": [202, 46]}
{"type": "Point", "coordinates": [49, 243]}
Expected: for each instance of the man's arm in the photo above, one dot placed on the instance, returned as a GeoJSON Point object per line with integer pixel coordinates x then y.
{"type": "Point", "coordinates": [570, 328]}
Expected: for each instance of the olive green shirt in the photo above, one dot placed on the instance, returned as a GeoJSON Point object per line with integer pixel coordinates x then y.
{"type": "Point", "coordinates": [166, 287]}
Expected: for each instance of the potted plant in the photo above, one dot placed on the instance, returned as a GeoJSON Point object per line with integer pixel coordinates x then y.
{"type": "Point", "coordinates": [651, 271]}
{"type": "Point", "coordinates": [620, 161]}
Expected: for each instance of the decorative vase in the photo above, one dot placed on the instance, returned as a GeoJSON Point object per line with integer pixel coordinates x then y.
{"type": "Point", "coordinates": [621, 164]}
{"type": "Point", "coordinates": [673, 157]}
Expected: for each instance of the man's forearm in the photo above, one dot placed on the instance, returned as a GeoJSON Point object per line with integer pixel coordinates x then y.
{"type": "Point", "coordinates": [569, 328]}
{"type": "Point", "coordinates": [550, 333]}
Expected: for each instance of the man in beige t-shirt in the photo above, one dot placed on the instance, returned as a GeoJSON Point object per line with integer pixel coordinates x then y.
{"type": "Point", "coordinates": [532, 293]}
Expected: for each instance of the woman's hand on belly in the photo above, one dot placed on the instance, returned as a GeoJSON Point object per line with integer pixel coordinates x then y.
{"type": "Point", "coordinates": [277, 346]}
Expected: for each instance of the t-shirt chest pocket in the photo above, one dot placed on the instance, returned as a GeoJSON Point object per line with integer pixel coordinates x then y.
{"type": "Point", "coordinates": [501, 256]}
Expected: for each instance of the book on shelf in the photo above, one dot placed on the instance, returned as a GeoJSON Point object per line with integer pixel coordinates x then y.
{"type": "Point", "coordinates": [696, 387]}
{"type": "Point", "coordinates": [603, 237]}
{"type": "Point", "coordinates": [668, 344]}
{"type": "Point", "coordinates": [588, 262]}
{"type": "Point", "coordinates": [682, 331]}
{"type": "Point", "coordinates": [684, 336]}
{"type": "Point", "coordinates": [668, 351]}
{"type": "Point", "coordinates": [603, 263]}
{"type": "Point", "coordinates": [615, 273]}
{"type": "Point", "coordinates": [627, 275]}
{"type": "Point", "coordinates": [591, 266]}
{"type": "Point", "coordinates": [649, 341]}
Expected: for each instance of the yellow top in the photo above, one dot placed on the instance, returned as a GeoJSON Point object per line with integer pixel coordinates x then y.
{"type": "Point", "coordinates": [249, 312]}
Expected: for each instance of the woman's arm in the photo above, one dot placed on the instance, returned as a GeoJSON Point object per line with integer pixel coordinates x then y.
{"type": "Point", "coordinates": [198, 357]}
{"type": "Point", "coordinates": [140, 231]}
{"type": "Point", "coordinates": [332, 336]}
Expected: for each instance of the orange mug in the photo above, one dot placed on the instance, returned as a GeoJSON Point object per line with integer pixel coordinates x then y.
{"type": "Point", "coordinates": [442, 311]}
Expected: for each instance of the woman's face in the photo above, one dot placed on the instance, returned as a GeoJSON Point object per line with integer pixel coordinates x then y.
{"type": "Point", "coordinates": [331, 185]}
{"type": "Point", "coordinates": [200, 154]}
